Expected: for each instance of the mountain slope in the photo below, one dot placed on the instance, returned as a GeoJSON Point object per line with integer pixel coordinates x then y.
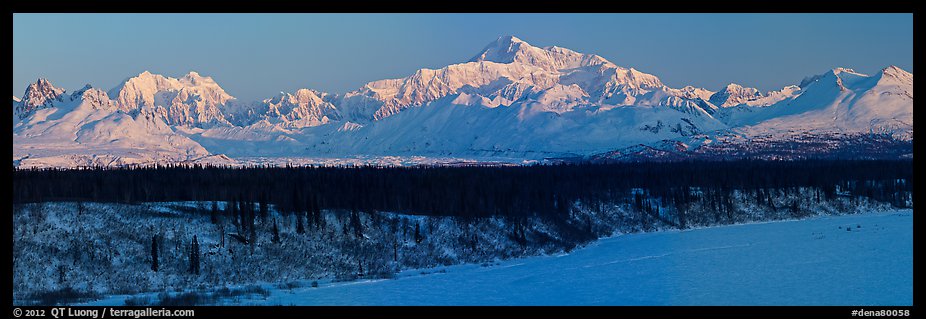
{"type": "Point", "coordinates": [840, 100]}
{"type": "Point", "coordinates": [86, 128]}
{"type": "Point", "coordinates": [527, 129]}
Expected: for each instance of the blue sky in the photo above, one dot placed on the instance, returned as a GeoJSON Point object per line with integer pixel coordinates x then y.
{"type": "Point", "coordinates": [255, 56]}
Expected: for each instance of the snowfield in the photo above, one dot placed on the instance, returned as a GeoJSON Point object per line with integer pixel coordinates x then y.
{"type": "Point", "coordinates": [834, 260]}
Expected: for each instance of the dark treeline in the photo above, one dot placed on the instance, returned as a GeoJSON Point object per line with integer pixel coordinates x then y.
{"type": "Point", "coordinates": [466, 191]}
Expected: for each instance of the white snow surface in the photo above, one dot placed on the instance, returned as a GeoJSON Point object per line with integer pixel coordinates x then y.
{"type": "Point", "coordinates": [839, 101]}
{"type": "Point", "coordinates": [807, 262]}
{"type": "Point", "coordinates": [512, 100]}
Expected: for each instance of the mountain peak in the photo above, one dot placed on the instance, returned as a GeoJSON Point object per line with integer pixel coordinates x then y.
{"type": "Point", "coordinates": [835, 74]}
{"type": "Point", "coordinates": [198, 96]}
{"type": "Point", "coordinates": [194, 78]}
{"type": "Point", "coordinates": [895, 75]}
{"type": "Point", "coordinates": [143, 76]}
{"type": "Point", "coordinates": [81, 91]}
{"type": "Point", "coordinates": [840, 70]}
{"type": "Point", "coordinates": [894, 67]}
{"type": "Point", "coordinates": [502, 50]}
{"type": "Point", "coordinates": [733, 86]}
{"type": "Point", "coordinates": [306, 93]}
{"type": "Point", "coordinates": [510, 39]}
{"type": "Point", "coordinates": [511, 49]}
{"type": "Point", "coordinates": [734, 94]}
{"type": "Point", "coordinates": [41, 84]}
{"type": "Point", "coordinates": [506, 42]}
{"type": "Point", "coordinates": [895, 71]}
{"type": "Point", "coordinates": [38, 95]}
{"type": "Point", "coordinates": [42, 89]}
{"type": "Point", "coordinates": [691, 92]}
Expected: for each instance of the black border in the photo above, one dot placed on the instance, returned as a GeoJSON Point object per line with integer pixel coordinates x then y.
{"type": "Point", "coordinates": [527, 312]}
{"type": "Point", "coordinates": [406, 6]}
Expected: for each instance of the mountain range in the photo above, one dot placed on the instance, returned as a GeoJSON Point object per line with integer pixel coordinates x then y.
{"type": "Point", "coordinates": [510, 101]}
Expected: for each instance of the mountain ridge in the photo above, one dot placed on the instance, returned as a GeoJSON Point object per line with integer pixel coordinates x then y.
{"type": "Point", "coordinates": [510, 99]}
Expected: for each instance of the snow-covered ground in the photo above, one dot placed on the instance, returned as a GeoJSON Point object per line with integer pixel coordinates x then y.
{"type": "Point", "coordinates": [808, 262]}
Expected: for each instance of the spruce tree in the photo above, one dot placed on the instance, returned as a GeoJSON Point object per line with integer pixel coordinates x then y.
{"type": "Point", "coordinates": [194, 256]}
{"type": "Point", "coordinates": [356, 224]}
{"type": "Point", "coordinates": [252, 237]}
{"type": "Point", "coordinates": [232, 208]}
{"type": "Point", "coordinates": [263, 209]}
{"type": "Point", "coordinates": [242, 219]}
{"type": "Point", "coordinates": [316, 212]}
{"type": "Point", "coordinates": [276, 232]}
{"type": "Point", "coordinates": [215, 212]}
{"type": "Point", "coordinates": [154, 253]}
{"type": "Point", "coordinates": [417, 233]}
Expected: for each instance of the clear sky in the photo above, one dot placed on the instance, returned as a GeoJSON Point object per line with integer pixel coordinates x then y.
{"type": "Point", "coordinates": [254, 56]}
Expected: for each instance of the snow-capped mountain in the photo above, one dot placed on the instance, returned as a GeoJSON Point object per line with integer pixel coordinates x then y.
{"type": "Point", "coordinates": [510, 100]}
{"type": "Point", "coordinates": [40, 94]}
{"type": "Point", "coordinates": [734, 94]}
{"type": "Point", "coordinates": [840, 100]}
{"type": "Point", "coordinates": [87, 128]}
{"type": "Point", "coordinates": [510, 49]}
{"type": "Point", "coordinates": [840, 113]}
{"type": "Point", "coordinates": [690, 92]}
{"type": "Point", "coordinates": [510, 69]}
{"type": "Point", "coordinates": [191, 100]}
{"type": "Point", "coordinates": [304, 108]}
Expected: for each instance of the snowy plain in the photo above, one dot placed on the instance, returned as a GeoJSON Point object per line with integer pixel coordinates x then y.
{"type": "Point", "coordinates": [862, 259]}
